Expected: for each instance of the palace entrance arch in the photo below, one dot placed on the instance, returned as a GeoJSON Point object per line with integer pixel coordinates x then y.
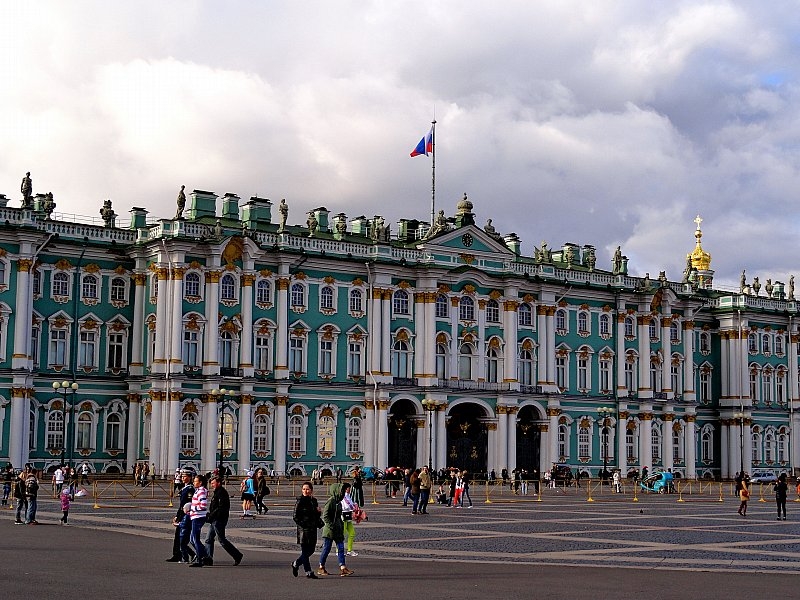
{"type": "Point", "coordinates": [528, 439]}
{"type": "Point", "coordinates": [467, 438]}
{"type": "Point", "coordinates": [402, 435]}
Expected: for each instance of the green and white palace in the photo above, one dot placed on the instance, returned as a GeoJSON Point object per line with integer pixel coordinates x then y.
{"type": "Point", "coordinates": [226, 333]}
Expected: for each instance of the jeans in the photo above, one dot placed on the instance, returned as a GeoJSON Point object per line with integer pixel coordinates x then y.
{"type": "Point", "coordinates": [306, 550]}
{"type": "Point", "coordinates": [216, 529]}
{"type": "Point", "coordinates": [6, 492]}
{"type": "Point", "coordinates": [197, 528]}
{"type": "Point", "coordinates": [326, 549]}
{"type": "Point", "coordinates": [414, 502]}
{"type": "Point", "coordinates": [424, 496]}
{"type": "Point", "coordinates": [465, 492]}
{"type": "Point", "coordinates": [22, 509]}
{"type": "Point", "coordinates": [406, 496]}
{"type": "Point", "coordinates": [184, 533]}
{"type": "Point", "coordinates": [781, 505]}
{"type": "Point", "coordinates": [32, 505]}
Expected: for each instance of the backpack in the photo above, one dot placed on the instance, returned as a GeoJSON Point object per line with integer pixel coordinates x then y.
{"type": "Point", "coordinates": [31, 487]}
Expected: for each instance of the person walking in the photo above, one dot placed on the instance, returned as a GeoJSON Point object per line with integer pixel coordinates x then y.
{"type": "Point", "coordinates": [248, 489]}
{"type": "Point", "coordinates": [197, 515]}
{"type": "Point", "coordinates": [185, 495]}
{"type": "Point", "coordinates": [8, 480]}
{"type": "Point", "coordinates": [358, 487]}
{"type": "Point", "coordinates": [31, 495]}
{"type": "Point", "coordinates": [781, 488]}
{"type": "Point", "coordinates": [64, 496]}
{"type": "Point", "coordinates": [744, 496]}
{"type": "Point", "coordinates": [415, 491]}
{"type": "Point", "coordinates": [307, 518]}
{"type": "Point", "coordinates": [219, 511]}
{"type": "Point", "coordinates": [349, 509]}
{"type": "Point", "coordinates": [58, 480]}
{"type": "Point", "coordinates": [333, 530]}
{"type": "Point", "coordinates": [262, 490]}
{"type": "Point", "coordinates": [465, 481]}
{"type": "Point", "coordinates": [425, 483]}
{"type": "Point", "coordinates": [19, 496]}
{"type": "Point", "coordinates": [617, 481]}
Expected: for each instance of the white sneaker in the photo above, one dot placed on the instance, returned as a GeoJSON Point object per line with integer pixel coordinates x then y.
{"type": "Point", "coordinates": [352, 553]}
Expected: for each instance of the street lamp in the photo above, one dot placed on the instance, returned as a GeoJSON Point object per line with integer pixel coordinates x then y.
{"type": "Point", "coordinates": [65, 387]}
{"type": "Point", "coordinates": [225, 396]}
{"type": "Point", "coordinates": [430, 405]}
{"type": "Point", "coordinates": [739, 416]}
{"type": "Point", "coordinates": [605, 412]}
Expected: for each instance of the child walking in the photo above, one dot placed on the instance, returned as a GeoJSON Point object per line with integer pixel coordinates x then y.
{"type": "Point", "coordinates": [64, 506]}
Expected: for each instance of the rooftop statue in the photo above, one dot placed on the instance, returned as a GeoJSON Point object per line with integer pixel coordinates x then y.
{"type": "Point", "coordinates": [283, 208]}
{"type": "Point", "coordinates": [27, 191]}
{"type": "Point", "coordinates": [181, 203]}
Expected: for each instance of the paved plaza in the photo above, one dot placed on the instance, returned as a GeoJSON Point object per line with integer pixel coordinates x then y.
{"type": "Point", "coordinates": [513, 547]}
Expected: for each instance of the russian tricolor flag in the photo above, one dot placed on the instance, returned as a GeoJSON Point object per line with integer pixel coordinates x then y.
{"type": "Point", "coordinates": [425, 145]}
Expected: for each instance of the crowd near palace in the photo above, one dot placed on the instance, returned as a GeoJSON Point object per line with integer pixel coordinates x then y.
{"type": "Point", "coordinates": [227, 334]}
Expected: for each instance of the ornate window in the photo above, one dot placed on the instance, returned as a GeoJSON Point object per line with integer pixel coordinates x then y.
{"type": "Point", "coordinates": [354, 435]}
{"type": "Point", "coordinates": [87, 349]}
{"type": "Point", "coordinates": [191, 347]}
{"type": "Point", "coordinates": [355, 358]}
{"type": "Point", "coordinates": [780, 386]}
{"type": "Point", "coordinates": [705, 343]}
{"type": "Point", "coordinates": [85, 425]}
{"type": "Point", "coordinates": [766, 387]}
{"type": "Point", "coordinates": [561, 321]}
{"type": "Point", "coordinates": [492, 311]}
{"type": "Point", "coordinates": [605, 325]}
{"type": "Point", "coordinates": [442, 361]}
{"type": "Point", "coordinates": [61, 284]}
{"type": "Point", "coordinates": [89, 287]}
{"type": "Point", "coordinates": [298, 295]}
{"type": "Point", "coordinates": [756, 454]}
{"type": "Point", "coordinates": [562, 370]}
{"type": "Point", "coordinates": [227, 288]}
{"type": "Point", "coordinates": [297, 354]}
{"type": "Point", "coordinates": [326, 439]}
{"type": "Point", "coordinates": [401, 359]}
{"type": "Point", "coordinates": [779, 350]}
{"type": "Point", "coordinates": [442, 306]}
{"type": "Point", "coordinates": [326, 357]}
{"type": "Point", "coordinates": [55, 430]}
{"type": "Point", "coordinates": [676, 374]}
{"type": "Point", "coordinates": [707, 444]}
{"type": "Point", "coordinates": [654, 329]}
{"type": "Point", "coordinates": [492, 365]}
{"type": "Point", "coordinates": [563, 442]}
{"type": "Point", "coordinates": [583, 323]}
{"type": "Point", "coordinates": [115, 354]}
{"type": "Point", "coordinates": [605, 365]}
{"type": "Point", "coordinates": [783, 448]}
{"type": "Point", "coordinates": [228, 441]}
{"type": "Point", "coordinates": [584, 369]}
{"type": "Point", "coordinates": [766, 344]}
{"type": "Point", "coordinates": [296, 434]}
{"type": "Point", "coordinates": [261, 434]}
{"type": "Point", "coordinates": [655, 443]}
{"type": "Point", "coordinates": [675, 332]}
{"type": "Point", "coordinates": [631, 368]}
{"type": "Point", "coordinates": [119, 291]}
{"type": "Point", "coordinates": [524, 315]}
{"type": "Point", "coordinates": [704, 389]}
{"type": "Point", "coordinates": [584, 442]}
{"type": "Point", "coordinates": [769, 446]}
{"type": "Point", "coordinates": [525, 367]}
{"type": "Point", "coordinates": [400, 302]}
{"type": "Point", "coordinates": [327, 299]}
{"type": "Point", "coordinates": [356, 302]}
{"type": "Point", "coordinates": [228, 350]}
{"type": "Point", "coordinates": [630, 327]}
{"type": "Point", "coordinates": [113, 436]}
{"type": "Point", "coordinates": [58, 353]}
{"type": "Point", "coordinates": [3, 273]}
{"type": "Point", "coordinates": [191, 286]}
{"type": "Point", "coordinates": [466, 357]}
{"type": "Point", "coordinates": [264, 292]}
{"type": "Point", "coordinates": [752, 343]}
{"type": "Point", "coordinates": [630, 446]}
{"type": "Point", "coordinates": [466, 309]}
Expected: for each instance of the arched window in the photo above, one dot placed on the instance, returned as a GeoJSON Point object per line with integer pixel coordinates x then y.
{"type": "Point", "coordinates": [297, 354]}
{"type": "Point", "coordinates": [263, 291]}
{"type": "Point", "coordinates": [55, 430]}
{"type": "Point", "coordinates": [188, 433]}
{"type": "Point", "coordinates": [630, 445]}
{"type": "Point", "coordinates": [705, 342]}
{"type": "Point", "coordinates": [356, 301]}
{"type": "Point", "coordinates": [605, 325]}
{"type": "Point", "coordinates": [355, 354]}
{"type": "Point", "coordinates": [583, 322]}
{"type": "Point", "coordinates": [261, 430]}
{"type": "Point", "coordinates": [492, 365]}
{"type": "Point", "coordinates": [354, 435]}
{"type": "Point", "coordinates": [89, 287]}
{"type": "Point", "coordinates": [654, 329]}
{"type": "Point", "coordinates": [227, 287]}
{"type": "Point", "coordinates": [191, 347]}
{"type": "Point", "coordinates": [584, 439]}
{"type": "Point", "coordinates": [766, 344]}
{"type": "Point", "coordinates": [401, 359]}
{"type": "Point", "coordinates": [117, 289]}
{"type": "Point", "coordinates": [113, 437]}
{"type": "Point", "coordinates": [466, 309]}
{"type": "Point", "coordinates": [191, 285]}
{"type": "Point", "coordinates": [492, 311]}
{"type": "Point", "coordinates": [442, 307]}
{"type": "Point", "coordinates": [325, 430]}
{"type": "Point", "coordinates": [466, 355]}
{"type": "Point", "coordinates": [525, 367]}
{"type": "Point", "coordinates": [228, 441]}
{"type": "Point", "coordinates": [84, 433]}
{"type": "Point", "coordinates": [706, 444]}
{"type": "Point", "coordinates": [295, 433]}
{"type": "Point", "coordinates": [60, 284]}
{"type": "Point", "coordinates": [783, 447]}
{"type": "Point", "coordinates": [630, 327]}
{"type": "Point", "coordinates": [779, 345]}
{"type": "Point", "coordinates": [326, 298]}
{"type": "Point", "coordinates": [655, 443]}
{"type": "Point", "coordinates": [228, 358]}
{"type": "Point", "coordinates": [769, 447]}
{"type": "Point", "coordinates": [675, 332]}
{"type": "Point", "coordinates": [298, 294]}
{"type": "Point", "coordinates": [263, 350]}
{"type": "Point", "coordinates": [400, 302]}
{"type": "Point", "coordinates": [563, 442]}
{"type": "Point", "coordinates": [524, 315]}
{"type": "Point", "coordinates": [752, 343]}
{"type": "Point", "coordinates": [442, 361]}
{"type": "Point", "coordinates": [561, 320]}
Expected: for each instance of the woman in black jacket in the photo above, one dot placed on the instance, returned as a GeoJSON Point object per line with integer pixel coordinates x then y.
{"type": "Point", "coordinates": [308, 519]}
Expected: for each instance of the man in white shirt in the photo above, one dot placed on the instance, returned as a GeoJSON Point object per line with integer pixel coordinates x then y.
{"type": "Point", "coordinates": [58, 479]}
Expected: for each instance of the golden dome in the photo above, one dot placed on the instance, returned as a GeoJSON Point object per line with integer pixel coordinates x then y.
{"type": "Point", "coordinates": [701, 260]}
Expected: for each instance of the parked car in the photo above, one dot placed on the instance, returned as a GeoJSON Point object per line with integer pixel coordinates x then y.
{"type": "Point", "coordinates": [763, 477]}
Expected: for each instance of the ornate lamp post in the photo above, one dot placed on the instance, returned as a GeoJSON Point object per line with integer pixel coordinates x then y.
{"type": "Point", "coordinates": [64, 388]}
{"type": "Point", "coordinates": [430, 405]}
{"type": "Point", "coordinates": [605, 412]}
{"type": "Point", "coordinates": [224, 398]}
{"type": "Point", "coordinates": [739, 416]}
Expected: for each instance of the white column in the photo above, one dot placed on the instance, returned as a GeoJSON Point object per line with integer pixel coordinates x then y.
{"type": "Point", "coordinates": [386, 333]}
{"type": "Point", "coordinates": [174, 439]}
{"type": "Point", "coordinates": [368, 425]}
{"type": "Point", "coordinates": [510, 332]}
{"type": "Point", "coordinates": [551, 345]}
{"type": "Point", "coordinates": [422, 449]}
{"type": "Point", "coordinates": [132, 443]}
{"type": "Point", "coordinates": [501, 444]}
{"type": "Point", "coordinates": [420, 331]}
{"type": "Point", "coordinates": [511, 432]}
{"type": "Point", "coordinates": [666, 441]}
{"type": "Point", "coordinates": [208, 450]}
{"type": "Point", "coordinates": [383, 433]}
{"type": "Point", "coordinates": [246, 341]}
{"type": "Point", "coordinates": [245, 421]}
{"type": "Point", "coordinates": [688, 390]}
{"type": "Point", "coordinates": [162, 341]}
{"type": "Point", "coordinates": [690, 446]}
{"type": "Point", "coordinates": [136, 366]}
{"type": "Point", "coordinates": [280, 434]}
{"type": "Point", "coordinates": [176, 328]}
{"type": "Point", "coordinates": [620, 431]}
{"type": "Point", "coordinates": [492, 445]}
{"type": "Point", "coordinates": [666, 351]}
{"type": "Point", "coordinates": [211, 352]}
{"type": "Point", "coordinates": [543, 350]}
{"type": "Point", "coordinates": [440, 443]}
{"type": "Point", "coordinates": [22, 317]}
{"type": "Point", "coordinates": [645, 389]}
{"type": "Point", "coordinates": [456, 343]}
{"type": "Point", "coordinates": [480, 344]}
{"type": "Point", "coordinates": [156, 425]}
{"type": "Point", "coordinates": [282, 337]}
{"type": "Point", "coordinates": [544, 448]}
{"type": "Point", "coordinates": [553, 414]}
{"type": "Point", "coordinates": [430, 337]}
{"type": "Point", "coordinates": [622, 390]}
{"type": "Point", "coordinates": [725, 450]}
{"type": "Point", "coordinates": [645, 438]}
{"type": "Point", "coordinates": [747, 442]}
{"type": "Point", "coordinates": [20, 408]}
{"type": "Point", "coordinates": [375, 329]}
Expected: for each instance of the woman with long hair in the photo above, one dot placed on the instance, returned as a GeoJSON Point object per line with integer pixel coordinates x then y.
{"type": "Point", "coordinates": [307, 517]}
{"type": "Point", "coordinates": [262, 490]}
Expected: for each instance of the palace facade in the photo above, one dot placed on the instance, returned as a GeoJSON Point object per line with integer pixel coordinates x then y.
{"type": "Point", "coordinates": [341, 342]}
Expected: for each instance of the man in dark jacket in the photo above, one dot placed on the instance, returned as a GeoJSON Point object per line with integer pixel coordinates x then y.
{"type": "Point", "coordinates": [219, 509]}
{"type": "Point", "coordinates": [187, 491]}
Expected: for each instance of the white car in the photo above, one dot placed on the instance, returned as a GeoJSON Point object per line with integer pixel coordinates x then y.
{"type": "Point", "coordinates": [763, 477]}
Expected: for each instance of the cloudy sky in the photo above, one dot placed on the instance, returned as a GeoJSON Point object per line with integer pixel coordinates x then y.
{"type": "Point", "coordinates": [605, 123]}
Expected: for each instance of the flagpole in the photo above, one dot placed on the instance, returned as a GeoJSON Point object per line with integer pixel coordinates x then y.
{"type": "Point", "coordinates": [433, 171]}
